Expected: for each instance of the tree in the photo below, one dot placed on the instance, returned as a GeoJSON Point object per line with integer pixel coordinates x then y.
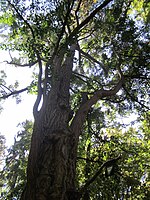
{"type": "Point", "coordinates": [2, 148]}
{"type": "Point", "coordinates": [121, 177]}
{"type": "Point", "coordinates": [14, 171]}
{"type": "Point", "coordinates": [2, 153]}
{"type": "Point", "coordinates": [125, 176]}
{"type": "Point", "coordinates": [90, 55]}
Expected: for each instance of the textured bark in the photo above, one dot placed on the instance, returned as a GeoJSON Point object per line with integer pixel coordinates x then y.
{"type": "Point", "coordinates": [52, 158]}
{"type": "Point", "coordinates": [51, 171]}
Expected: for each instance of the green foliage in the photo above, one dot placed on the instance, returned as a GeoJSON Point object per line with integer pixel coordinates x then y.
{"type": "Point", "coordinates": [114, 42]}
{"type": "Point", "coordinates": [112, 37]}
{"type": "Point", "coordinates": [14, 171]}
{"type": "Point", "coordinates": [2, 157]}
{"type": "Point", "coordinates": [130, 179]}
{"type": "Point", "coordinates": [7, 19]}
{"type": "Point", "coordinates": [2, 148]}
{"type": "Point", "coordinates": [131, 176]}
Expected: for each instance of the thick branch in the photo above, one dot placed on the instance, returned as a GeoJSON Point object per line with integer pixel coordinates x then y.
{"type": "Point", "coordinates": [76, 12]}
{"type": "Point", "coordinates": [92, 179]}
{"type": "Point", "coordinates": [88, 19]}
{"type": "Point", "coordinates": [40, 90]}
{"type": "Point", "coordinates": [63, 27]}
{"type": "Point", "coordinates": [81, 114]}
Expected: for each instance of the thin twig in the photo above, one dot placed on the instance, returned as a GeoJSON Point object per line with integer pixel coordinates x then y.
{"type": "Point", "coordinates": [89, 57]}
{"type": "Point", "coordinates": [21, 65]}
{"type": "Point", "coordinates": [21, 17]}
{"type": "Point", "coordinates": [14, 93]}
{"type": "Point", "coordinates": [4, 86]}
{"type": "Point", "coordinates": [135, 99]}
{"type": "Point", "coordinates": [87, 159]}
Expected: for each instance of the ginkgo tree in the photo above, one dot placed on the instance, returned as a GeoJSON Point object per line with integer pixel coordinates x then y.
{"type": "Point", "coordinates": [91, 55]}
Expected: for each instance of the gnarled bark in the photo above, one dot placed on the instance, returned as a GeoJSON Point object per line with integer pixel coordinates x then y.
{"type": "Point", "coordinates": [52, 160]}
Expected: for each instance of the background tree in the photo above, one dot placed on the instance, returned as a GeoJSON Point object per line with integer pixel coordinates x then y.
{"type": "Point", "coordinates": [92, 56]}
{"type": "Point", "coordinates": [2, 157]}
{"type": "Point", "coordinates": [14, 171]}
{"type": "Point", "coordinates": [2, 148]}
{"type": "Point", "coordinates": [112, 176]}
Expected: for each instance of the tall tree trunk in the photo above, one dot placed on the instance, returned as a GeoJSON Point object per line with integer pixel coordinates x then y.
{"type": "Point", "coordinates": [52, 158]}
{"type": "Point", "coordinates": [52, 174]}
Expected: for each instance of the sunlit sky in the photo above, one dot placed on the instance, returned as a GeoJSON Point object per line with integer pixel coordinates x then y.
{"type": "Point", "coordinates": [13, 113]}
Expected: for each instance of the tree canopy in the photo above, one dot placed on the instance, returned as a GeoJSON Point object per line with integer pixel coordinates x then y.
{"type": "Point", "coordinates": [92, 68]}
{"type": "Point", "coordinates": [109, 43]}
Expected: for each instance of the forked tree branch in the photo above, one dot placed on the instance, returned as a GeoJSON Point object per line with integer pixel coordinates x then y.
{"type": "Point", "coordinates": [87, 78]}
{"type": "Point", "coordinates": [39, 60]}
{"type": "Point", "coordinates": [4, 86]}
{"type": "Point", "coordinates": [81, 114]}
{"type": "Point", "coordinates": [63, 27]}
{"type": "Point", "coordinates": [91, 58]}
{"type": "Point", "coordinates": [88, 19]}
